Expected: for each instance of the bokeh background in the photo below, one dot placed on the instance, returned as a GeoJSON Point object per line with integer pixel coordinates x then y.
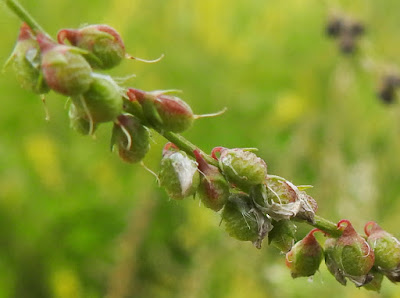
{"type": "Point", "coordinates": [75, 221]}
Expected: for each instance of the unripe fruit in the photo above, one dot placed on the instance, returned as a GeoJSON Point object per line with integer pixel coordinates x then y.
{"type": "Point", "coordinates": [64, 69]}
{"type": "Point", "coordinates": [163, 111]}
{"type": "Point", "coordinates": [385, 246]}
{"type": "Point", "coordinates": [282, 235]}
{"type": "Point", "coordinates": [330, 262]}
{"type": "Point", "coordinates": [213, 190]}
{"type": "Point", "coordinates": [26, 62]}
{"type": "Point", "coordinates": [178, 174]}
{"type": "Point", "coordinates": [353, 255]}
{"type": "Point", "coordinates": [102, 102]}
{"type": "Point", "coordinates": [80, 123]}
{"type": "Point", "coordinates": [305, 256]}
{"type": "Point", "coordinates": [103, 42]}
{"type": "Point", "coordinates": [130, 138]}
{"type": "Point", "coordinates": [242, 168]}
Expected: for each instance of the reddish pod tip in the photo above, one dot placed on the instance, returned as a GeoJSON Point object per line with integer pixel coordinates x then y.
{"type": "Point", "coordinates": [135, 94]}
{"type": "Point", "coordinates": [25, 32]}
{"type": "Point", "coordinates": [215, 151]}
{"type": "Point", "coordinates": [45, 43]}
{"type": "Point", "coordinates": [371, 227]}
{"type": "Point", "coordinates": [69, 34]}
{"type": "Point", "coordinates": [168, 147]}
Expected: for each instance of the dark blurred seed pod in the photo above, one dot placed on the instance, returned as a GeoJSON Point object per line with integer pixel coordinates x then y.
{"type": "Point", "coordinates": [387, 89]}
{"type": "Point", "coordinates": [79, 123]}
{"type": "Point", "coordinates": [282, 235]}
{"type": "Point", "coordinates": [386, 247]}
{"type": "Point", "coordinates": [26, 62]}
{"type": "Point", "coordinates": [356, 28]}
{"type": "Point", "coordinates": [353, 255]}
{"type": "Point", "coordinates": [347, 44]}
{"type": "Point", "coordinates": [163, 111]}
{"type": "Point", "coordinates": [178, 175]}
{"type": "Point", "coordinates": [305, 256]}
{"type": "Point", "coordinates": [102, 102]}
{"type": "Point", "coordinates": [213, 190]}
{"type": "Point", "coordinates": [243, 221]}
{"type": "Point", "coordinates": [64, 69]}
{"type": "Point", "coordinates": [242, 168]}
{"type": "Point", "coordinates": [130, 138]}
{"type": "Point", "coordinates": [334, 27]}
{"type": "Point", "coordinates": [103, 42]}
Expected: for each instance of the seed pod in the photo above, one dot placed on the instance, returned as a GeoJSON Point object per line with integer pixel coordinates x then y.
{"type": "Point", "coordinates": [104, 44]}
{"type": "Point", "coordinates": [334, 27]}
{"type": "Point", "coordinates": [282, 235]}
{"type": "Point", "coordinates": [163, 111]}
{"type": "Point", "coordinates": [64, 69]}
{"type": "Point", "coordinates": [213, 189]}
{"type": "Point", "coordinates": [356, 28]}
{"type": "Point", "coordinates": [131, 138]}
{"type": "Point", "coordinates": [178, 175]}
{"type": "Point", "coordinates": [385, 246]}
{"type": "Point", "coordinates": [353, 255]}
{"type": "Point", "coordinates": [102, 102]}
{"type": "Point", "coordinates": [242, 168]}
{"type": "Point", "coordinates": [26, 62]}
{"type": "Point", "coordinates": [305, 256]}
{"type": "Point", "coordinates": [243, 221]}
{"type": "Point", "coordinates": [333, 267]}
{"type": "Point", "coordinates": [79, 123]}
{"type": "Point", "coordinates": [376, 282]}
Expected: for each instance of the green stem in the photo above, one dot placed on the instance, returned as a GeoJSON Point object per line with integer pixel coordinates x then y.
{"type": "Point", "coordinates": [326, 226]}
{"type": "Point", "coordinates": [24, 15]}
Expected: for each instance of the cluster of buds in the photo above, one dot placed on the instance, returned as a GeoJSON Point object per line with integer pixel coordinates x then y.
{"type": "Point", "coordinates": [346, 31]}
{"type": "Point", "coordinates": [389, 84]}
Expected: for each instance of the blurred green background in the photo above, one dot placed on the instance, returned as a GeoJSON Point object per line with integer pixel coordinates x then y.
{"type": "Point", "coordinates": [75, 221]}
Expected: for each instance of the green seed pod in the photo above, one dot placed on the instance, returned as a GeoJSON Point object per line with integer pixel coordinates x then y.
{"type": "Point", "coordinates": [79, 123]}
{"type": "Point", "coordinates": [333, 268]}
{"type": "Point", "coordinates": [104, 44]}
{"type": "Point", "coordinates": [353, 255]}
{"type": "Point", "coordinates": [165, 112]}
{"type": "Point", "coordinates": [178, 174]}
{"type": "Point", "coordinates": [102, 102]}
{"type": "Point", "coordinates": [26, 62]}
{"type": "Point", "coordinates": [385, 246]}
{"type": "Point", "coordinates": [131, 138]}
{"type": "Point", "coordinates": [282, 235]}
{"type": "Point", "coordinates": [305, 256]}
{"type": "Point", "coordinates": [213, 189]}
{"type": "Point", "coordinates": [64, 69]}
{"type": "Point", "coordinates": [242, 168]}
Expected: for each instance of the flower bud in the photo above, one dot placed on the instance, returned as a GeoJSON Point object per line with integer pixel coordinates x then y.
{"type": "Point", "coordinates": [386, 248]}
{"type": "Point", "coordinates": [104, 44]}
{"type": "Point", "coordinates": [353, 255]}
{"type": "Point", "coordinates": [64, 69]}
{"type": "Point", "coordinates": [178, 175]}
{"type": "Point", "coordinates": [26, 62]}
{"type": "Point", "coordinates": [79, 123]}
{"type": "Point", "coordinates": [130, 137]}
{"type": "Point", "coordinates": [305, 256]}
{"type": "Point", "coordinates": [102, 102]}
{"type": "Point", "coordinates": [163, 111]}
{"type": "Point", "coordinates": [244, 222]}
{"type": "Point", "coordinates": [333, 267]}
{"type": "Point", "coordinates": [213, 189]}
{"type": "Point", "coordinates": [282, 235]}
{"type": "Point", "coordinates": [242, 168]}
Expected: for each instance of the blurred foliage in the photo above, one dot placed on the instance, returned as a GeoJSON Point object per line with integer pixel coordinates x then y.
{"type": "Point", "coordinates": [77, 222]}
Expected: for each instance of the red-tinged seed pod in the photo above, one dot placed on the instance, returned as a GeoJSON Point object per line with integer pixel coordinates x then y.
{"type": "Point", "coordinates": [26, 62]}
{"type": "Point", "coordinates": [80, 123]}
{"type": "Point", "coordinates": [102, 102]}
{"type": "Point", "coordinates": [213, 189]}
{"type": "Point", "coordinates": [103, 42]}
{"type": "Point", "coordinates": [282, 235]}
{"type": "Point", "coordinates": [178, 174]}
{"type": "Point", "coordinates": [130, 138]}
{"type": "Point", "coordinates": [242, 168]}
{"type": "Point", "coordinates": [386, 247]}
{"type": "Point", "coordinates": [166, 112]}
{"type": "Point", "coordinates": [352, 253]}
{"type": "Point", "coordinates": [305, 256]}
{"type": "Point", "coordinates": [64, 68]}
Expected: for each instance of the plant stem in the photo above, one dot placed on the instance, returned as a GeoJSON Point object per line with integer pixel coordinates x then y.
{"type": "Point", "coordinates": [326, 226]}
{"type": "Point", "coordinates": [24, 15]}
